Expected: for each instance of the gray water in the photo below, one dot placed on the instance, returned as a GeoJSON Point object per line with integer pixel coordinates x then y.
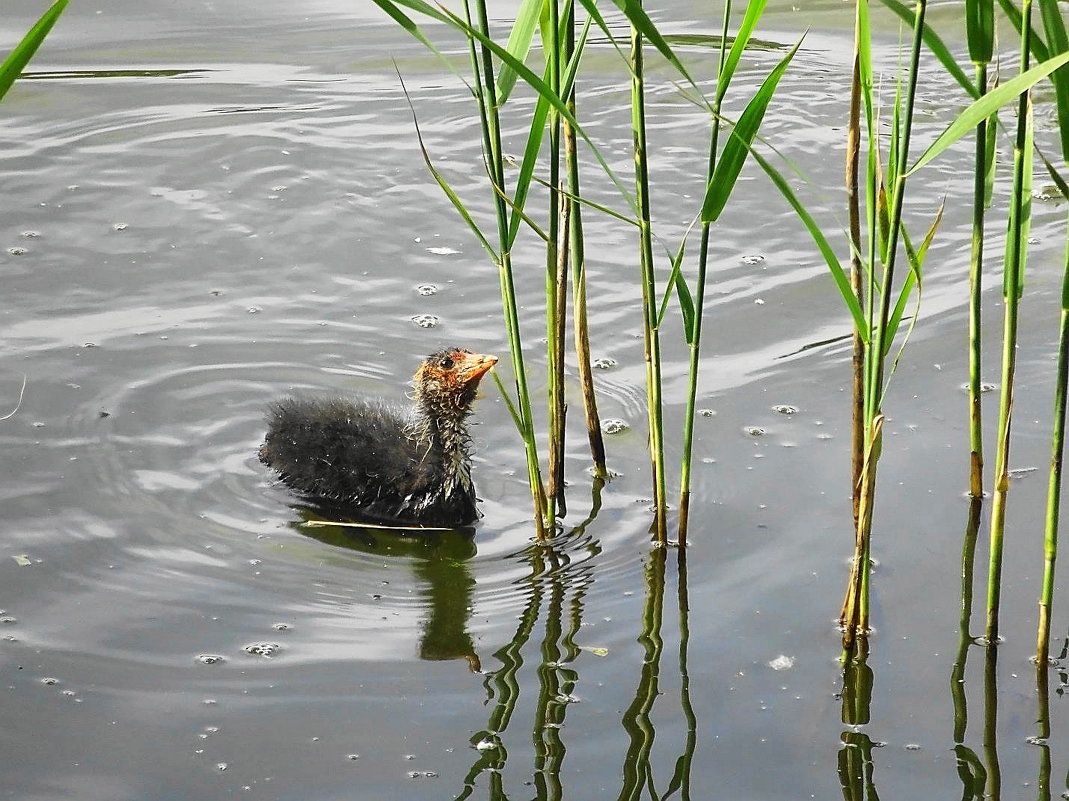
{"type": "Point", "coordinates": [208, 206]}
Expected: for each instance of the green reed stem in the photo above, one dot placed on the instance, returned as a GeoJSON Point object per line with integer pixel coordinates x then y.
{"type": "Point", "coordinates": [1054, 486]}
{"type": "Point", "coordinates": [695, 337]}
{"type": "Point", "coordinates": [650, 332]}
{"type": "Point", "coordinates": [855, 615]}
{"type": "Point", "coordinates": [853, 203]}
{"type": "Point", "coordinates": [1020, 210]}
{"type": "Point", "coordinates": [556, 283]}
{"type": "Point", "coordinates": [483, 70]}
{"type": "Point", "coordinates": [976, 447]}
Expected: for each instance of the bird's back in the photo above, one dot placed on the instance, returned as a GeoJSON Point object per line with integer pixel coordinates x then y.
{"type": "Point", "coordinates": [362, 453]}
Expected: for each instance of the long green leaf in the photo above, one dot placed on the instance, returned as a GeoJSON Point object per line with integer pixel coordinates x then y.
{"type": "Point", "coordinates": [637, 16]}
{"type": "Point", "coordinates": [987, 105]}
{"type": "Point", "coordinates": [1035, 45]}
{"type": "Point", "coordinates": [519, 44]}
{"type": "Point", "coordinates": [1058, 42]}
{"type": "Point", "coordinates": [537, 130]}
{"type": "Point", "coordinates": [444, 184]}
{"type": "Point", "coordinates": [936, 45]}
{"type": "Point", "coordinates": [980, 30]}
{"type": "Point", "coordinates": [838, 274]}
{"type": "Point", "coordinates": [754, 9]}
{"type": "Point", "coordinates": [729, 165]}
{"type": "Point", "coordinates": [18, 58]}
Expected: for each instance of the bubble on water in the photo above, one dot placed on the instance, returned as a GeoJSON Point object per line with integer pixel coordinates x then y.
{"type": "Point", "coordinates": [30, 234]}
{"type": "Point", "coordinates": [352, 757]}
{"type": "Point", "coordinates": [210, 659]}
{"type": "Point", "coordinates": [427, 289]}
{"type": "Point", "coordinates": [603, 363]}
{"type": "Point", "coordinates": [7, 619]}
{"type": "Point", "coordinates": [425, 320]}
{"type": "Point", "coordinates": [755, 431]}
{"type": "Point", "coordinates": [422, 774]}
{"type": "Point", "coordinates": [262, 648]}
{"type": "Point", "coordinates": [912, 747]}
{"type": "Point", "coordinates": [17, 251]}
{"type": "Point", "coordinates": [756, 258]}
{"type": "Point", "coordinates": [613, 426]}
{"type": "Point", "coordinates": [254, 309]}
{"type": "Point", "coordinates": [119, 227]}
{"type": "Point", "coordinates": [783, 408]}
{"type": "Point", "coordinates": [486, 744]}
{"type": "Point", "coordinates": [280, 626]}
{"type": "Point", "coordinates": [50, 681]}
{"type": "Point", "coordinates": [221, 766]}
{"type": "Point", "coordinates": [707, 412]}
{"type": "Point", "coordinates": [443, 251]}
{"type": "Point", "coordinates": [782, 662]}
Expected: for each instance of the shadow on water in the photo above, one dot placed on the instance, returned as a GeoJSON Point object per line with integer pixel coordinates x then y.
{"type": "Point", "coordinates": [440, 560]}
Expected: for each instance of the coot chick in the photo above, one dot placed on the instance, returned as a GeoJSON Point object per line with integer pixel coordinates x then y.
{"type": "Point", "coordinates": [409, 467]}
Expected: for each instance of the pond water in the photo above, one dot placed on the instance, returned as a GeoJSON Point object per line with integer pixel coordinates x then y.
{"type": "Point", "coordinates": [208, 206]}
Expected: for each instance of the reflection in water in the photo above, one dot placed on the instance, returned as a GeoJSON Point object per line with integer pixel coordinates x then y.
{"type": "Point", "coordinates": [557, 584]}
{"type": "Point", "coordinates": [971, 769]}
{"type": "Point", "coordinates": [555, 576]}
{"type": "Point", "coordinates": [440, 560]}
{"type": "Point", "coordinates": [856, 767]}
{"type": "Point", "coordinates": [638, 770]}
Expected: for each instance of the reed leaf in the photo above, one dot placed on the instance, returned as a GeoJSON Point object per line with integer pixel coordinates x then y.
{"type": "Point", "coordinates": [18, 58]}
{"type": "Point", "coordinates": [677, 282]}
{"type": "Point", "coordinates": [519, 44]}
{"type": "Point", "coordinates": [987, 105]}
{"type": "Point", "coordinates": [540, 86]}
{"type": "Point", "coordinates": [636, 15]}
{"type": "Point", "coordinates": [838, 274]}
{"type": "Point", "coordinates": [980, 30]}
{"type": "Point", "coordinates": [1058, 42]}
{"type": "Point", "coordinates": [754, 9]}
{"type": "Point", "coordinates": [936, 45]}
{"type": "Point", "coordinates": [729, 165]}
{"type": "Point", "coordinates": [450, 193]}
{"type": "Point", "coordinates": [1036, 45]}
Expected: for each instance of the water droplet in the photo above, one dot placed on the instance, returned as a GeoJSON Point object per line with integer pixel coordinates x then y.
{"type": "Point", "coordinates": [427, 289]}
{"type": "Point", "coordinates": [613, 426]}
{"type": "Point", "coordinates": [425, 320]}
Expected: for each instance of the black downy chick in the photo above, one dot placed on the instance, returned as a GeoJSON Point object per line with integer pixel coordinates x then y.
{"type": "Point", "coordinates": [409, 467]}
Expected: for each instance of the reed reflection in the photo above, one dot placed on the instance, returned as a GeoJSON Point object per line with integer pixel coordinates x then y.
{"type": "Point", "coordinates": [971, 770]}
{"type": "Point", "coordinates": [560, 570]}
{"type": "Point", "coordinates": [856, 766]}
{"type": "Point", "coordinates": [639, 769]}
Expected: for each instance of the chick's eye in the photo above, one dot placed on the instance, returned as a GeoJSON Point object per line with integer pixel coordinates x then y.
{"type": "Point", "coordinates": [447, 363]}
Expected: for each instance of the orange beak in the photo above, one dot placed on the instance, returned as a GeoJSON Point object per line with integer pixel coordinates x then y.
{"type": "Point", "coordinates": [476, 366]}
